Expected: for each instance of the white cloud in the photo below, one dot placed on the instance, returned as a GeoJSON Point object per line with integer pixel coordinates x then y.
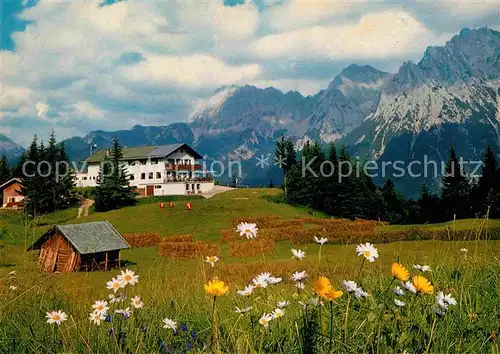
{"type": "Point", "coordinates": [41, 109]}
{"type": "Point", "coordinates": [386, 34]}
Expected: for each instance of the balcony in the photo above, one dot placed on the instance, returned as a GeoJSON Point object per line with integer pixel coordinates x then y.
{"type": "Point", "coordinates": [188, 180]}
{"type": "Point", "coordinates": [183, 167]}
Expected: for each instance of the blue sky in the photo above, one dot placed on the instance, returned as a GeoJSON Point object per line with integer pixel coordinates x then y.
{"type": "Point", "coordinates": [80, 66]}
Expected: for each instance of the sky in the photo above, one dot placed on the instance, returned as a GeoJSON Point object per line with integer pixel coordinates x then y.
{"type": "Point", "coordinates": [76, 66]}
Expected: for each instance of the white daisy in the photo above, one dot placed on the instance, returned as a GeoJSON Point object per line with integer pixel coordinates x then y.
{"type": "Point", "coordinates": [300, 285]}
{"type": "Point", "coordinates": [101, 307]}
{"type": "Point", "coordinates": [321, 241]}
{"type": "Point", "coordinates": [444, 301]}
{"type": "Point", "coordinates": [96, 317]}
{"type": "Point", "coordinates": [274, 280]}
{"type": "Point", "coordinates": [116, 299]}
{"type": "Point", "coordinates": [398, 291]}
{"type": "Point", "coordinates": [169, 324]}
{"type": "Point", "coordinates": [368, 251]}
{"type": "Point", "coordinates": [262, 280]}
{"type": "Point", "coordinates": [13, 288]}
{"type": "Point", "coordinates": [298, 254]}
{"type": "Point", "coordinates": [56, 317]}
{"type": "Point", "coordinates": [283, 304]}
{"type": "Point", "coordinates": [464, 250]}
{"type": "Point", "coordinates": [360, 293]}
{"type": "Point", "coordinates": [249, 230]}
{"type": "Point", "coordinates": [265, 319]}
{"type": "Point", "coordinates": [12, 273]}
{"type": "Point", "coordinates": [137, 302]}
{"type": "Point", "coordinates": [438, 311]}
{"type": "Point", "coordinates": [350, 286]}
{"type": "Point", "coordinates": [115, 284]}
{"type": "Point", "coordinates": [212, 260]}
{"type": "Point", "coordinates": [126, 313]}
{"type": "Point", "coordinates": [422, 268]}
{"type": "Point", "coordinates": [299, 276]}
{"type": "Point", "coordinates": [247, 291]}
{"type": "Point", "coordinates": [244, 310]}
{"type": "Point", "coordinates": [129, 277]}
{"type": "Point", "coordinates": [399, 303]}
{"type": "Point", "coordinates": [410, 287]}
{"type": "Point", "coordinates": [277, 313]}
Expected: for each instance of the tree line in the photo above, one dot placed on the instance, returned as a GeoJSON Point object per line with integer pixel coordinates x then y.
{"type": "Point", "coordinates": [329, 187]}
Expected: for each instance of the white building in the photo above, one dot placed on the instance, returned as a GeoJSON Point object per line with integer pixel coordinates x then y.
{"type": "Point", "coordinates": [155, 170]}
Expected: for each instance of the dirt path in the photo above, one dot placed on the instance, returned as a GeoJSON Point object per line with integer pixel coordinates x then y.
{"type": "Point", "coordinates": [83, 210]}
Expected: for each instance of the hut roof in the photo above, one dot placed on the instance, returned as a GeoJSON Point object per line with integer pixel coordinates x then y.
{"type": "Point", "coordinates": [91, 237]}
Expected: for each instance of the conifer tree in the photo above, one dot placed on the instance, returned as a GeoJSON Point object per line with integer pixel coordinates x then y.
{"type": "Point", "coordinates": [429, 208]}
{"type": "Point", "coordinates": [455, 190]}
{"type": "Point", "coordinates": [113, 190]}
{"type": "Point", "coordinates": [5, 172]}
{"type": "Point", "coordinates": [486, 193]}
{"type": "Point", "coordinates": [393, 203]}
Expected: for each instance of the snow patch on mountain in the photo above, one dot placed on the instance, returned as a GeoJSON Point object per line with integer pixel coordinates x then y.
{"type": "Point", "coordinates": [211, 107]}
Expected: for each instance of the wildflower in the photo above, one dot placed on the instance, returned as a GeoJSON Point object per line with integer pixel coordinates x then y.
{"type": "Point", "coordinates": [107, 319]}
{"type": "Point", "coordinates": [399, 303]}
{"type": "Point", "coordinates": [13, 288]}
{"type": "Point", "coordinates": [184, 327]}
{"type": "Point", "coordinates": [193, 334]}
{"type": "Point", "coordinates": [247, 291]}
{"type": "Point", "coordinates": [298, 254]}
{"type": "Point", "coordinates": [350, 286]}
{"type": "Point", "coordinates": [444, 301]}
{"type": "Point", "coordinates": [422, 268]}
{"type": "Point", "coordinates": [216, 287]}
{"type": "Point", "coordinates": [128, 277]}
{"type": "Point", "coordinates": [438, 311]}
{"type": "Point", "coordinates": [169, 324]}
{"type": "Point", "coordinates": [422, 285]}
{"type": "Point", "coordinates": [244, 310]}
{"type": "Point", "coordinates": [321, 241]}
{"type": "Point", "coordinates": [283, 304]}
{"type": "Point", "coordinates": [249, 230]}
{"type": "Point", "coordinates": [212, 260]}
{"type": "Point", "coordinates": [368, 251]}
{"type": "Point", "coordinates": [126, 313]}
{"type": "Point", "coordinates": [322, 286]}
{"type": "Point", "coordinates": [261, 280]}
{"type": "Point", "coordinates": [265, 319]}
{"type": "Point", "coordinates": [464, 250]}
{"type": "Point", "coordinates": [56, 317]}
{"type": "Point", "coordinates": [398, 291]}
{"type": "Point", "coordinates": [12, 273]}
{"type": "Point", "coordinates": [277, 313]}
{"type": "Point", "coordinates": [101, 307]}
{"type": "Point", "coordinates": [409, 286]}
{"type": "Point", "coordinates": [333, 294]}
{"type": "Point", "coordinates": [399, 272]}
{"type": "Point", "coordinates": [115, 284]}
{"type": "Point", "coordinates": [299, 285]}
{"type": "Point", "coordinates": [116, 299]}
{"type": "Point", "coordinates": [96, 317]}
{"type": "Point", "coordinates": [299, 276]}
{"type": "Point", "coordinates": [360, 293]}
{"type": "Point", "coordinates": [137, 302]}
{"type": "Point", "coordinates": [274, 280]}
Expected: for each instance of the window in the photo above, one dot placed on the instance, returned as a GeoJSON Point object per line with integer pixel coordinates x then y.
{"type": "Point", "coordinates": [158, 174]}
{"type": "Point", "coordinates": [187, 187]}
{"type": "Point", "coordinates": [11, 200]}
{"type": "Point", "coordinates": [84, 178]}
{"type": "Point", "coordinates": [131, 177]}
{"type": "Point", "coordinates": [198, 186]}
{"type": "Point", "coordinates": [182, 151]}
{"type": "Point", "coordinates": [154, 162]}
{"type": "Point", "coordinates": [143, 176]}
{"type": "Point", "coordinates": [151, 175]}
{"type": "Point", "coordinates": [158, 186]}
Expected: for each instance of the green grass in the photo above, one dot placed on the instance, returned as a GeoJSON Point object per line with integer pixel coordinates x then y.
{"type": "Point", "coordinates": [174, 288]}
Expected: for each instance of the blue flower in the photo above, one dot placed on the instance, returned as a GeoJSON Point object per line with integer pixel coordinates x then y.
{"type": "Point", "coordinates": [108, 318]}
{"type": "Point", "coordinates": [184, 327]}
{"type": "Point", "coordinates": [193, 334]}
{"type": "Point", "coordinates": [189, 345]}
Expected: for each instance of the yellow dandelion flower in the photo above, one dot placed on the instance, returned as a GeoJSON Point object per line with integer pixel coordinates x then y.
{"type": "Point", "coordinates": [400, 272]}
{"type": "Point", "coordinates": [422, 285]}
{"type": "Point", "coordinates": [216, 287]}
{"type": "Point", "coordinates": [322, 286]}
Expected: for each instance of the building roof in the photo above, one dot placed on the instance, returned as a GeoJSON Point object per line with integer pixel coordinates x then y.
{"type": "Point", "coordinates": [86, 238]}
{"type": "Point", "coordinates": [10, 181]}
{"type": "Point", "coordinates": [145, 152]}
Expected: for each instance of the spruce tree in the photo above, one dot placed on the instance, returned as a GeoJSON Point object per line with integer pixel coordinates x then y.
{"type": "Point", "coordinates": [5, 172]}
{"type": "Point", "coordinates": [33, 185]}
{"type": "Point", "coordinates": [429, 208]}
{"type": "Point", "coordinates": [455, 189]}
{"type": "Point", "coordinates": [486, 193]}
{"type": "Point", "coordinates": [113, 190]}
{"type": "Point", "coordinates": [331, 182]}
{"type": "Point", "coordinates": [393, 203]}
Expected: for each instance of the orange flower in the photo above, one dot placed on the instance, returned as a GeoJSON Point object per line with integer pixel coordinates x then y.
{"type": "Point", "coordinates": [422, 284]}
{"type": "Point", "coordinates": [216, 287]}
{"type": "Point", "coordinates": [333, 294]}
{"type": "Point", "coordinates": [322, 286]}
{"type": "Point", "coordinates": [400, 272]}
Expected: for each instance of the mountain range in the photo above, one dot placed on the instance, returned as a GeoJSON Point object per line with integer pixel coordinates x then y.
{"type": "Point", "coordinates": [450, 97]}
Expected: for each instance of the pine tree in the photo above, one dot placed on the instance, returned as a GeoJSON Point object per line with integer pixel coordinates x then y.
{"type": "Point", "coordinates": [393, 203]}
{"type": "Point", "coordinates": [113, 190]}
{"type": "Point", "coordinates": [66, 180]}
{"type": "Point", "coordinates": [331, 182]}
{"type": "Point", "coordinates": [5, 172]}
{"type": "Point", "coordinates": [285, 157]}
{"type": "Point", "coordinates": [429, 208]}
{"type": "Point", "coordinates": [33, 185]}
{"type": "Point", "coordinates": [456, 189]}
{"type": "Point", "coordinates": [486, 194]}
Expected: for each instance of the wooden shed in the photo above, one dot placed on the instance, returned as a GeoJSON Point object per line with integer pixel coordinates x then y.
{"type": "Point", "coordinates": [88, 246]}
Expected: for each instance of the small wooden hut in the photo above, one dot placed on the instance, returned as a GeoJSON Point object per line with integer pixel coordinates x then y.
{"type": "Point", "coordinates": [88, 246]}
